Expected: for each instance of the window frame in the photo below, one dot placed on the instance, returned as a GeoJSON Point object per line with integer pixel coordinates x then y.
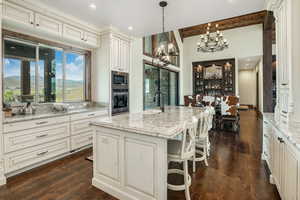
{"type": "Point", "coordinates": [37, 43]}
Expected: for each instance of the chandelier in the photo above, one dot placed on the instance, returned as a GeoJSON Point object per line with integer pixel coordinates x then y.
{"type": "Point", "coordinates": [212, 41]}
{"type": "Point", "coordinates": [166, 49]}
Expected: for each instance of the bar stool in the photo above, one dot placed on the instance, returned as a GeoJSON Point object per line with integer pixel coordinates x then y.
{"type": "Point", "coordinates": [181, 151]}
{"type": "Point", "coordinates": [201, 147]}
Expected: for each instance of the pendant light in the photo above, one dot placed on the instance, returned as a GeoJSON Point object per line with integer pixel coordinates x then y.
{"type": "Point", "coordinates": [166, 49]}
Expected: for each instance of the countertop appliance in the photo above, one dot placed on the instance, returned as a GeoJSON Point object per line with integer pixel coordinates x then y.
{"type": "Point", "coordinates": [120, 92]}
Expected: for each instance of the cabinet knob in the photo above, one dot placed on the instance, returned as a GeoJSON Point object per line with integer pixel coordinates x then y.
{"type": "Point", "coordinates": [31, 22]}
{"type": "Point", "coordinates": [37, 24]}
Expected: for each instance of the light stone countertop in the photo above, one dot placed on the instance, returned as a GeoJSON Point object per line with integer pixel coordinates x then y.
{"type": "Point", "coordinates": [21, 118]}
{"type": "Point", "coordinates": [270, 117]}
{"type": "Point", "coordinates": [152, 122]}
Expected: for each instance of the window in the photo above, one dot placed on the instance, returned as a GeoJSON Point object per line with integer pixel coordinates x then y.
{"type": "Point", "coordinates": [161, 80]}
{"type": "Point", "coordinates": [74, 77]}
{"type": "Point", "coordinates": [150, 43]}
{"type": "Point", "coordinates": [42, 74]}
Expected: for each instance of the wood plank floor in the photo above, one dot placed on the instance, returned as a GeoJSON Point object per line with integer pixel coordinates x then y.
{"type": "Point", "coordinates": [235, 172]}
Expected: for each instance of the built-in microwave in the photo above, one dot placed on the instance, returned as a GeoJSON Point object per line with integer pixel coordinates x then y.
{"type": "Point", "coordinates": [119, 78]}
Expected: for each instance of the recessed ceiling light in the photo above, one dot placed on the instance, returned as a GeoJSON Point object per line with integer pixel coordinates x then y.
{"type": "Point", "coordinates": [130, 28]}
{"type": "Point", "coordinates": [93, 6]}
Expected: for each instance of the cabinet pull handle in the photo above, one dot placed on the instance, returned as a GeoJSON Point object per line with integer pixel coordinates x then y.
{"type": "Point", "coordinates": [90, 115]}
{"type": "Point", "coordinates": [37, 24]}
{"type": "Point", "coordinates": [284, 112]}
{"type": "Point", "coordinates": [284, 84]}
{"type": "Point", "coordinates": [40, 123]}
{"type": "Point", "coordinates": [42, 153]}
{"type": "Point", "coordinates": [266, 136]}
{"type": "Point", "coordinates": [41, 136]}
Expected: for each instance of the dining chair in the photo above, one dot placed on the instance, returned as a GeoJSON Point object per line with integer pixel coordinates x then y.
{"type": "Point", "coordinates": [181, 151]}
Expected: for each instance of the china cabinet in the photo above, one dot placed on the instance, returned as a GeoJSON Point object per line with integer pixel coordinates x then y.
{"type": "Point", "coordinates": [214, 77]}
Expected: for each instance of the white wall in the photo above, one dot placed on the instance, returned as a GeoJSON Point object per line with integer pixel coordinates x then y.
{"type": "Point", "coordinates": [243, 42]}
{"type": "Point", "coordinates": [247, 87]}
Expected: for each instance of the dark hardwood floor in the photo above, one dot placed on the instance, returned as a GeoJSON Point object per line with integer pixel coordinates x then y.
{"type": "Point", "coordinates": [235, 172]}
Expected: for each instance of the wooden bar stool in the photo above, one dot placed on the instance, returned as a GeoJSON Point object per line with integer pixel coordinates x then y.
{"type": "Point", "coordinates": [202, 140]}
{"type": "Point", "coordinates": [181, 151]}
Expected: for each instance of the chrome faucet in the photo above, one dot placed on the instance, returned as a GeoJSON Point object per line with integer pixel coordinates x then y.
{"type": "Point", "coordinates": [162, 100]}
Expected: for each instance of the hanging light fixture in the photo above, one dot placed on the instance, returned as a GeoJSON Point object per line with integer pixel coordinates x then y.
{"type": "Point", "coordinates": [212, 41]}
{"type": "Point", "coordinates": [166, 49]}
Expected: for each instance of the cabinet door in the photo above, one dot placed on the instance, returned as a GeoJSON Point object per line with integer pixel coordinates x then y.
{"type": "Point", "coordinates": [115, 54]}
{"type": "Point", "coordinates": [291, 174]}
{"type": "Point", "coordinates": [108, 155]}
{"type": "Point", "coordinates": [18, 14]}
{"type": "Point", "coordinates": [277, 160]}
{"type": "Point", "coordinates": [125, 55]}
{"type": "Point", "coordinates": [91, 39]}
{"type": "Point", "coordinates": [48, 25]}
{"type": "Point", "coordinates": [72, 33]}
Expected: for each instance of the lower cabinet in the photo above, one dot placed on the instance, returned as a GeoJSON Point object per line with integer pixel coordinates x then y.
{"type": "Point", "coordinates": [284, 164]}
{"type": "Point", "coordinates": [24, 158]}
{"type": "Point", "coordinates": [32, 142]}
{"type": "Point", "coordinates": [291, 174]}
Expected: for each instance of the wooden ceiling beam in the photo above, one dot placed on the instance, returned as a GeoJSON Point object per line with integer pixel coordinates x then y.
{"type": "Point", "coordinates": [230, 23]}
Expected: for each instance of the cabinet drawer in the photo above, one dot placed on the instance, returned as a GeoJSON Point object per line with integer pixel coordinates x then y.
{"type": "Point", "coordinates": [22, 139]}
{"type": "Point", "coordinates": [81, 140]}
{"type": "Point", "coordinates": [18, 160]}
{"type": "Point", "coordinates": [88, 115]}
{"type": "Point", "coordinates": [34, 123]}
{"type": "Point", "coordinates": [81, 126]}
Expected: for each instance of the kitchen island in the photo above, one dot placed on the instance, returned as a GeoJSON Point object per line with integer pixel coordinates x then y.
{"type": "Point", "coordinates": [130, 152]}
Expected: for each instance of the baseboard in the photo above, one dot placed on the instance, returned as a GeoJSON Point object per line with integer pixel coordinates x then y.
{"type": "Point", "coordinates": [111, 190]}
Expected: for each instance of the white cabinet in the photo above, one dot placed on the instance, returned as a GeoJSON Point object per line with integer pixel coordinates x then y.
{"type": "Point", "coordinates": [108, 156]}
{"type": "Point", "coordinates": [120, 54]}
{"type": "Point", "coordinates": [291, 174]}
{"type": "Point", "coordinates": [125, 55]}
{"type": "Point", "coordinates": [48, 24]}
{"type": "Point", "coordinates": [20, 159]}
{"type": "Point", "coordinates": [73, 33]}
{"type": "Point", "coordinates": [23, 139]}
{"type": "Point", "coordinates": [18, 14]}
{"type": "Point", "coordinates": [284, 162]}
{"type": "Point", "coordinates": [115, 54]}
{"type": "Point", "coordinates": [92, 39]}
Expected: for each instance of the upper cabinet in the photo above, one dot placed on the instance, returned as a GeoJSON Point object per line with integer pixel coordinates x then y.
{"type": "Point", "coordinates": [17, 16]}
{"type": "Point", "coordinates": [120, 54]}
{"type": "Point", "coordinates": [48, 24]}
{"type": "Point", "coordinates": [73, 33]}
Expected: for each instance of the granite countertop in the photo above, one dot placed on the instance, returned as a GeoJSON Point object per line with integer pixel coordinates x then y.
{"type": "Point", "coordinates": [152, 122]}
{"type": "Point", "coordinates": [270, 117]}
{"type": "Point", "coordinates": [20, 118]}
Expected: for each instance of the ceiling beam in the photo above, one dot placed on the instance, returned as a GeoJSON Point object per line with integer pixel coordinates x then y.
{"type": "Point", "coordinates": [225, 24]}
